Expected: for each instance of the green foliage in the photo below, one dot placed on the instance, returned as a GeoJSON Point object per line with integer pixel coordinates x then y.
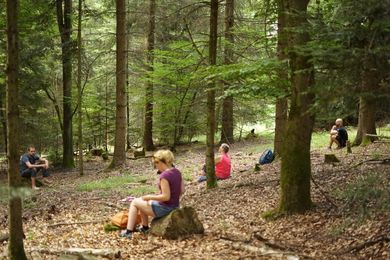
{"type": "Point", "coordinates": [111, 183]}
{"type": "Point", "coordinates": [271, 215]}
{"type": "Point", "coordinates": [54, 156]}
{"type": "Point", "coordinates": [108, 227]}
{"type": "Point", "coordinates": [366, 196]}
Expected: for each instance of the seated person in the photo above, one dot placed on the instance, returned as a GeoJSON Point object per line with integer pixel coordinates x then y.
{"type": "Point", "coordinates": [30, 164]}
{"type": "Point", "coordinates": [223, 165]}
{"type": "Point", "coordinates": [338, 135]}
{"type": "Point", "coordinates": [171, 187]}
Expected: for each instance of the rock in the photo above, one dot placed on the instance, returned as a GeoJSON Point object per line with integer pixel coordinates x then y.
{"type": "Point", "coordinates": [183, 221]}
{"type": "Point", "coordinates": [331, 158]}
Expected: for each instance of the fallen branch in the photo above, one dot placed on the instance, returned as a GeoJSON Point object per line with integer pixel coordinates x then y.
{"type": "Point", "coordinates": [365, 244]}
{"type": "Point", "coordinates": [141, 157]}
{"type": "Point", "coordinates": [77, 223]}
{"type": "Point", "coordinates": [244, 184]}
{"type": "Point", "coordinates": [109, 253]}
{"type": "Point", "coordinates": [264, 251]}
{"type": "Point", "coordinates": [4, 237]}
{"type": "Point", "coordinates": [323, 193]}
{"type": "Point", "coordinates": [382, 161]}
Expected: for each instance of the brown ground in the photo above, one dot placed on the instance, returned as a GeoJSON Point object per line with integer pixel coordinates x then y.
{"type": "Point", "coordinates": [231, 213]}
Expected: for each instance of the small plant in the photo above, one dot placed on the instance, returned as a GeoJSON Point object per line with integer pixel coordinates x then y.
{"type": "Point", "coordinates": [55, 157]}
{"type": "Point", "coordinates": [108, 227]}
{"type": "Point", "coordinates": [272, 214]}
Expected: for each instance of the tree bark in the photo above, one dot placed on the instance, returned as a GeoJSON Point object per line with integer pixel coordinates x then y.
{"type": "Point", "coordinates": [15, 246]}
{"type": "Point", "coordinates": [3, 117]}
{"type": "Point", "coordinates": [367, 101]}
{"type": "Point", "coordinates": [281, 106]}
{"type": "Point", "coordinates": [227, 104]}
{"type": "Point", "coordinates": [296, 168]}
{"type": "Point", "coordinates": [121, 97]}
{"type": "Point", "coordinates": [210, 162]}
{"type": "Point", "coordinates": [64, 20]}
{"type": "Point", "coordinates": [79, 99]}
{"type": "Point", "coordinates": [148, 128]}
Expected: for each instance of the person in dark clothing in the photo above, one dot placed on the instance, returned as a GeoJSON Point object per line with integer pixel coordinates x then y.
{"type": "Point", "coordinates": [338, 135]}
{"type": "Point", "coordinates": [30, 164]}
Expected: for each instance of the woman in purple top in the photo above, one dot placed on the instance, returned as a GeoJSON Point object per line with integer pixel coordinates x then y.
{"type": "Point", "coordinates": [171, 186]}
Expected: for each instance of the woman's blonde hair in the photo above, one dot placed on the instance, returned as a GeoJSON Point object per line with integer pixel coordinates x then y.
{"type": "Point", "coordinates": [164, 156]}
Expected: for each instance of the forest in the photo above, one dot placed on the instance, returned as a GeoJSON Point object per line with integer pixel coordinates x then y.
{"type": "Point", "coordinates": [99, 88]}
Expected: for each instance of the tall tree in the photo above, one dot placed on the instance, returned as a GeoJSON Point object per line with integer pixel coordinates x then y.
{"type": "Point", "coordinates": [281, 106]}
{"type": "Point", "coordinates": [64, 20]}
{"type": "Point", "coordinates": [15, 246]}
{"type": "Point", "coordinates": [121, 96]}
{"type": "Point", "coordinates": [296, 168]}
{"type": "Point", "coordinates": [148, 127]}
{"type": "Point", "coordinates": [210, 162]}
{"type": "Point", "coordinates": [79, 97]}
{"type": "Point", "coordinates": [227, 104]}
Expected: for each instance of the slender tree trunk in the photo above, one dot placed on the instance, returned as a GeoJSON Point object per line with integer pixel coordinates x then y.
{"type": "Point", "coordinates": [210, 163]}
{"type": "Point", "coordinates": [15, 246]}
{"type": "Point", "coordinates": [296, 168]}
{"type": "Point", "coordinates": [148, 129]}
{"type": "Point", "coordinates": [281, 107]}
{"type": "Point", "coordinates": [3, 118]}
{"type": "Point", "coordinates": [79, 100]}
{"type": "Point", "coordinates": [227, 104]}
{"type": "Point", "coordinates": [121, 96]}
{"type": "Point", "coordinates": [367, 101]}
{"type": "Point", "coordinates": [64, 19]}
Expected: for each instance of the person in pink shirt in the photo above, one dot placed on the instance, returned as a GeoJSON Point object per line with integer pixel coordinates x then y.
{"type": "Point", "coordinates": [223, 164]}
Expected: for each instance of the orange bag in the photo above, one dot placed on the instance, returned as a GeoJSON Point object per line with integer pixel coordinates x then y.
{"type": "Point", "coordinates": [120, 219]}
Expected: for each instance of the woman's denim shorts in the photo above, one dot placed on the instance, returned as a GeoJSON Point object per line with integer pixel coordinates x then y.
{"type": "Point", "coordinates": [160, 210]}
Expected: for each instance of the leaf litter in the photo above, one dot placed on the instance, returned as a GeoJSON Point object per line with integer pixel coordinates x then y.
{"type": "Point", "coordinates": [61, 217]}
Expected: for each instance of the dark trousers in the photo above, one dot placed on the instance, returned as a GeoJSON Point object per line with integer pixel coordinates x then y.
{"type": "Point", "coordinates": [32, 172]}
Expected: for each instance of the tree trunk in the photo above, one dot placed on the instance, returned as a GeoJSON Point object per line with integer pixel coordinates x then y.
{"type": "Point", "coordinates": [15, 246]}
{"type": "Point", "coordinates": [121, 97]}
{"type": "Point", "coordinates": [3, 117]}
{"type": "Point", "coordinates": [227, 104]}
{"type": "Point", "coordinates": [210, 163]}
{"type": "Point", "coordinates": [367, 101]}
{"type": "Point", "coordinates": [296, 168]}
{"type": "Point", "coordinates": [281, 107]}
{"type": "Point", "coordinates": [148, 129]}
{"type": "Point", "coordinates": [79, 99]}
{"type": "Point", "coordinates": [64, 19]}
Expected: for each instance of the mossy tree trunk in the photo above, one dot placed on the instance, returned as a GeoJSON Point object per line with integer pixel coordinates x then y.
{"type": "Point", "coordinates": [64, 20]}
{"type": "Point", "coordinates": [227, 105]}
{"type": "Point", "coordinates": [367, 101]}
{"type": "Point", "coordinates": [281, 106]}
{"type": "Point", "coordinates": [210, 162]}
{"type": "Point", "coordinates": [15, 246]}
{"type": "Point", "coordinates": [148, 128]}
{"type": "Point", "coordinates": [296, 168]}
{"type": "Point", "coordinates": [121, 96]}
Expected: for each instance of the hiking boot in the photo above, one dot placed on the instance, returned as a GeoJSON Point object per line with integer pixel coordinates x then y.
{"type": "Point", "coordinates": [127, 234]}
{"type": "Point", "coordinates": [142, 229]}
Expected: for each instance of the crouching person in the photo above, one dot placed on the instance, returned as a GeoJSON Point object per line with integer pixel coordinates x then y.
{"type": "Point", "coordinates": [31, 164]}
{"type": "Point", "coordinates": [170, 185]}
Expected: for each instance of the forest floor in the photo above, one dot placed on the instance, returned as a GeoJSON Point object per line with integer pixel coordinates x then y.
{"type": "Point", "coordinates": [350, 218]}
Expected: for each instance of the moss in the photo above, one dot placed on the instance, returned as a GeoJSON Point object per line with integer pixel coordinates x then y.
{"type": "Point", "coordinates": [272, 214]}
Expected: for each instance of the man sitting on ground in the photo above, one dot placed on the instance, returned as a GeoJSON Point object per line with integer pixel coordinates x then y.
{"type": "Point", "coordinates": [338, 135]}
{"type": "Point", "coordinates": [31, 164]}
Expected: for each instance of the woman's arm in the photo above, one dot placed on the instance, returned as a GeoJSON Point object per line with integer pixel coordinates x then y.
{"type": "Point", "coordinates": [165, 192]}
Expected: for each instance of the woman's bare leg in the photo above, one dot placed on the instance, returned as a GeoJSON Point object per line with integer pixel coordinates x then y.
{"type": "Point", "coordinates": [145, 209]}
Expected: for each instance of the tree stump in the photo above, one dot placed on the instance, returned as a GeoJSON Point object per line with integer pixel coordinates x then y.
{"type": "Point", "coordinates": [96, 152]}
{"type": "Point", "coordinates": [179, 222]}
{"type": "Point", "coordinates": [331, 158]}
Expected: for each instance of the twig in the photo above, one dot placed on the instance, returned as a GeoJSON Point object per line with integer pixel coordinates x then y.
{"type": "Point", "coordinates": [76, 223]}
{"type": "Point", "coordinates": [244, 184]}
{"type": "Point", "coordinates": [151, 250]}
{"type": "Point", "coordinates": [382, 161]}
{"type": "Point", "coordinates": [323, 193]}
{"type": "Point", "coordinates": [80, 251]}
{"type": "Point", "coordinates": [141, 157]}
{"type": "Point", "coordinates": [366, 244]}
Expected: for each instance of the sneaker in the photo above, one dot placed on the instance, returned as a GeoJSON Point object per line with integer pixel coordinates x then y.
{"type": "Point", "coordinates": [36, 188]}
{"type": "Point", "coordinates": [126, 234]}
{"type": "Point", "coordinates": [142, 229]}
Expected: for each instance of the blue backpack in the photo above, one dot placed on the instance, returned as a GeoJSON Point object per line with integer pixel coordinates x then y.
{"type": "Point", "coordinates": [266, 157]}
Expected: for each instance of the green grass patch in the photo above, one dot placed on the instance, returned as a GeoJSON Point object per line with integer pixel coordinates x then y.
{"type": "Point", "coordinates": [140, 190]}
{"type": "Point", "coordinates": [110, 183]}
{"type": "Point", "coordinates": [366, 196]}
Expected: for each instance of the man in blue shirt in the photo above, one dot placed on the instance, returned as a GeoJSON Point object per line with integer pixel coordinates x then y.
{"type": "Point", "coordinates": [31, 164]}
